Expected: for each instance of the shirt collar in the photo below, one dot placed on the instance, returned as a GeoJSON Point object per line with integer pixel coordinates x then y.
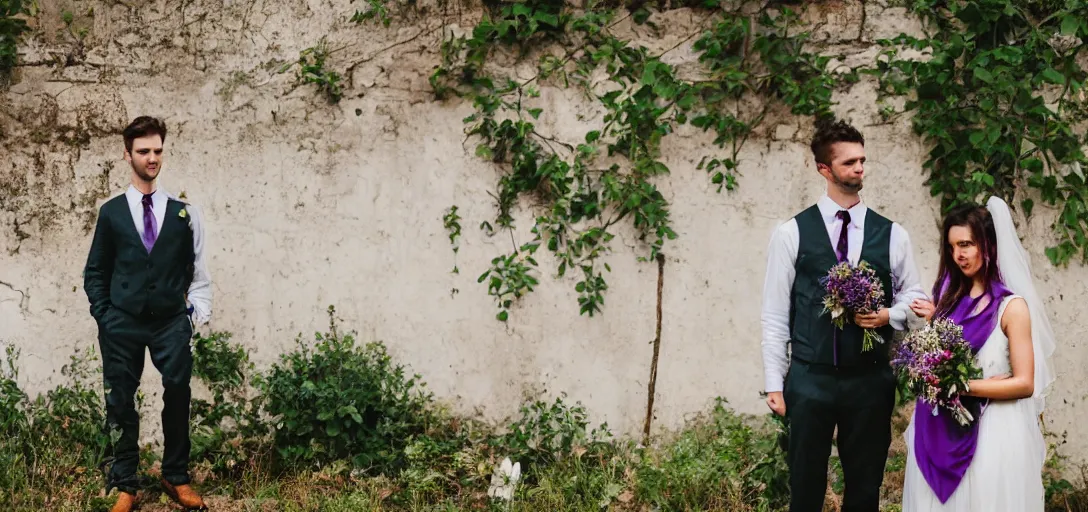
{"type": "Point", "coordinates": [828, 209]}
{"type": "Point", "coordinates": [157, 197]}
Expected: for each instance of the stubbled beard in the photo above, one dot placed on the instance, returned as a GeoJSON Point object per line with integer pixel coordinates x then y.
{"type": "Point", "coordinates": [853, 187]}
{"type": "Point", "coordinates": [142, 173]}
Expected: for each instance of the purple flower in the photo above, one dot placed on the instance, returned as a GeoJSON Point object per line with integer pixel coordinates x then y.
{"type": "Point", "coordinates": [852, 290]}
{"type": "Point", "coordinates": [937, 363]}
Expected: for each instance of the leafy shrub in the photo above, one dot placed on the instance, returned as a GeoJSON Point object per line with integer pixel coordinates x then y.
{"type": "Point", "coordinates": [226, 430]}
{"type": "Point", "coordinates": [73, 415]}
{"type": "Point", "coordinates": [546, 433]}
{"type": "Point", "coordinates": [57, 440]}
{"type": "Point", "coordinates": [724, 464]}
{"type": "Point", "coordinates": [13, 417]}
{"type": "Point", "coordinates": [338, 400]}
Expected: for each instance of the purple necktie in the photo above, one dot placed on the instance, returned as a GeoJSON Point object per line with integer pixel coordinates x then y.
{"type": "Point", "coordinates": [842, 251]}
{"type": "Point", "coordinates": [843, 248]}
{"type": "Point", "coordinates": [149, 224]}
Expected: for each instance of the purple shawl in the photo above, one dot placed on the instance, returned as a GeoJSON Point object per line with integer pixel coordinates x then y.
{"type": "Point", "coordinates": [942, 448]}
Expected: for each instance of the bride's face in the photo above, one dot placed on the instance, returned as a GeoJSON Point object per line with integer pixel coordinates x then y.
{"type": "Point", "coordinates": [964, 250]}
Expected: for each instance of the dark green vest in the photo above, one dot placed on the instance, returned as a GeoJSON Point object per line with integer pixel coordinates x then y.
{"type": "Point", "coordinates": [150, 285]}
{"type": "Point", "coordinates": [814, 338]}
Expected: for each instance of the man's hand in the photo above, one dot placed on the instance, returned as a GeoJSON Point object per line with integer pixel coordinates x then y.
{"type": "Point", "coordinates": [872, 320]}
{"type": "Point", "coordinates": [777, 403]}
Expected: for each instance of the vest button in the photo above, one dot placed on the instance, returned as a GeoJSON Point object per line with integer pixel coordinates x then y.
{"type": "Point", "coordinates": [152, 287]}
{"type": "Point", "coordinates": [124, 285]}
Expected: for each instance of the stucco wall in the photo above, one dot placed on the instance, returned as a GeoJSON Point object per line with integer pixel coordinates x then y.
{"type": "Point", "coordinates": [309, 204]}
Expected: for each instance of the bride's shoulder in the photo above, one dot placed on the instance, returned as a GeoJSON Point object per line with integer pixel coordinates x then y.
{"type": "Point", "coordinates": [1014, 309]}
{"type": "Point", "coordinates": [1010, 299]}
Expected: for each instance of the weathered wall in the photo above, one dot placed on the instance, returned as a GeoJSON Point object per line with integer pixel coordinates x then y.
{"type": "Point", "coordinates": [310, 205]}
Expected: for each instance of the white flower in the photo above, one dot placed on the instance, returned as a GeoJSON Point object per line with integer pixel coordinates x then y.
{"type": "Point", "coordinates": [837, 312]}
{"type": "Point", "coordinates": [505, 480]}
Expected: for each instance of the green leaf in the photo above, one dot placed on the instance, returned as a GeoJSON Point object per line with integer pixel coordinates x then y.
{"type": "Point", "coordinates": [535, 112]}
{"type": "Point", "coordinates": [983, 178]}
{"type": "Point", "coordinates": [984, 75]}
{"type": "Point", "coordinates": [1032, 164]}
{"type": "Point", "coordinates": [976, 137]}
{"type": "Point", "coordinates": [1053, 76]}
{"type": "Point", "coordinates": [502, 316]}
{"type": "Point", "coordinates": [1070, 25]}
{"type": "Point", "coordinates": [1054, 255]}
{"type": "Point", "coordinates": [547, 18]}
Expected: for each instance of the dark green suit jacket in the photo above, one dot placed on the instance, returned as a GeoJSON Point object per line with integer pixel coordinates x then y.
{"type": "Point", "coordinates": [121, 273]}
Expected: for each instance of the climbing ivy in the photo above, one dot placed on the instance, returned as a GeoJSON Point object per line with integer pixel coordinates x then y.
{"type": "Point", "coordinates": [644, 100]}
{"type": "Point", "coordinates": [1000, 99]}
{"type": "Point", "coordinates": [311, 70]}
{"type": "Point", "coordinates": [11, 29]}
{"type": "Point", "coordinates": [452, 222]}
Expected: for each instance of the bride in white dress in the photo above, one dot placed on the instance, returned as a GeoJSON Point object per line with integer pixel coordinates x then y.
{"type": "Point", "coordinates": [985, 285]}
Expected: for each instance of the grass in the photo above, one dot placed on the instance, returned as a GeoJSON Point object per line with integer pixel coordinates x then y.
{"type": "Point", "coordinates": [52, 447]}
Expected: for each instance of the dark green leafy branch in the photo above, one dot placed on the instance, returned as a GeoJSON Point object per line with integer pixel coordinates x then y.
{"type": "Point", "coordinates": [311, 70]}
{"type": "Point", "coordinates": [644, 99]}
{"type": "Point", "coordinates": [452, 222]}
{"type": "Point", "coordinates": [1001, 101]}
{"type": "Point", "coordinates": [11, 29]}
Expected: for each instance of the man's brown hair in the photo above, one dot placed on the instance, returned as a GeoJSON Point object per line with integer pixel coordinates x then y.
{"type": "Point", "coordinates": [141, 127]}
{"type": "Point", "coordinates": [828, 133]}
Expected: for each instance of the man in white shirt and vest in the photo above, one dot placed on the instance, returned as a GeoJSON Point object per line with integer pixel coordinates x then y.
{"type": "Point", "coordinates": [148, 285]}
{"type": "Point", "coordinates": [817, 376]}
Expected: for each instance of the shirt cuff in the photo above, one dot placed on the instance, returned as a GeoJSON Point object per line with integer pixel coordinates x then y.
{"type": "Point", "coordinates": [774, 384]}
{"type": "Point", "coordinates": [897, 317]}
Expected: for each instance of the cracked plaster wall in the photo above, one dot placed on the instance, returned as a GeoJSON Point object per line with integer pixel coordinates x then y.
{"type": "Point", "coordinates": [309, 204]}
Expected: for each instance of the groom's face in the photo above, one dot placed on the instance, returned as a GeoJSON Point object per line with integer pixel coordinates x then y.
{"type": "Point", "coordinates": [146, 157]}
{"type": "Point", "coordinates": [847, 167]}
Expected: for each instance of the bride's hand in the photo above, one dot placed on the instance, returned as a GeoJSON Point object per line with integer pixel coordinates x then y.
{"type": "Point", "coordinates": [923, 308]}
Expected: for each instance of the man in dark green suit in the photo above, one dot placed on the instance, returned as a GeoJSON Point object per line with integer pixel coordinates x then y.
{"type": "Point", "coordinates": [148, 286]}
{"type": "Point", "coordinates": [831, 383]}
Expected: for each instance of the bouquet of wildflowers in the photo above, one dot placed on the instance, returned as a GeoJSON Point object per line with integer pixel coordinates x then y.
{"type": "Point", "coordinates": [853, 290]}
{"type": "Point", "coordinates": [936, 363]}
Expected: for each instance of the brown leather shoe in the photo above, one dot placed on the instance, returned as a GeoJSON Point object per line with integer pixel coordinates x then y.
{"type": "Point", "coordinates": [125, 502]}
{"type": "Point", "coordinates": [184, 495]}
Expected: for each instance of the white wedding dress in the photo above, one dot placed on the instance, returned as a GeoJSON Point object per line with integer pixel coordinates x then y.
{"type": "Point", "coordinates": [1005, 474]}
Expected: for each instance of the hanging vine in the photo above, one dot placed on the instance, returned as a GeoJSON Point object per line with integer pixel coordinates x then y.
{"type": "Point", "coordinates": [581, 200]}
{"type": "Point", "coordinates": [1001, 101]}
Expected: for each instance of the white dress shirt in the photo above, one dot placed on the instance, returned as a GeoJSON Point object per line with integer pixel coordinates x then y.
{"type": "Point", "coordinates": [200, 291]}
{"type": "Point", "coordinates": [781, 257]}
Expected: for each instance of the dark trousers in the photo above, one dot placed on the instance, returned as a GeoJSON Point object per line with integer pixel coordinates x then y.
{"type": "Point", "coordinates": [122, 339]}
{"type": "Point", "coordinates": [859, 401]}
